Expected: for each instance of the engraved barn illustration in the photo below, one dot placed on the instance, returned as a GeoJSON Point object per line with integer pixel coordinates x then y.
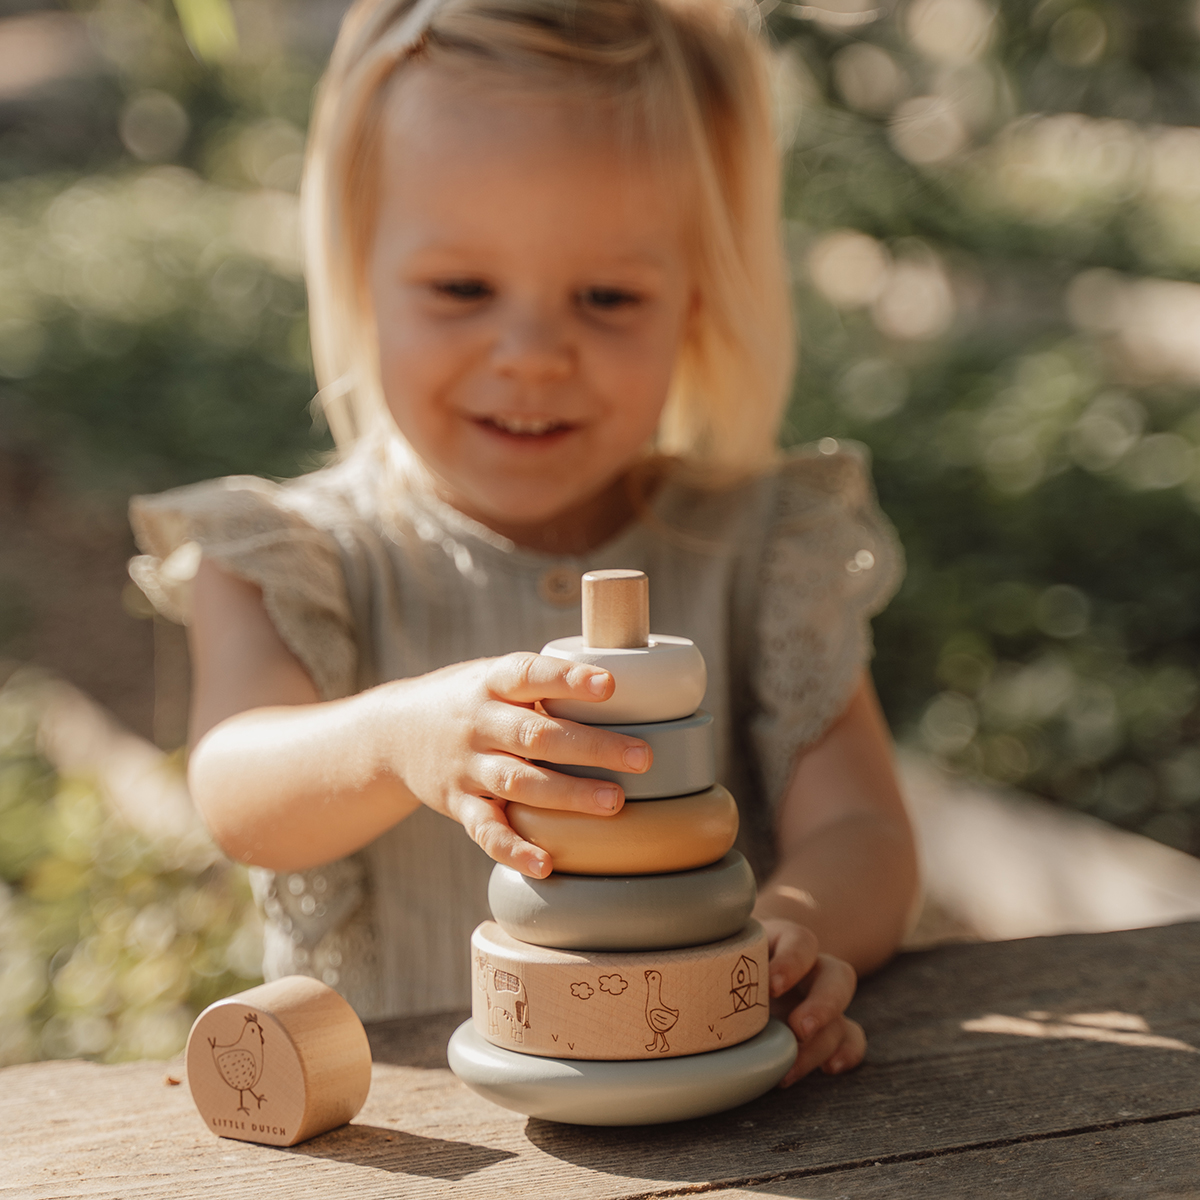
{"type": "Point", "coordinates": [506, 998]}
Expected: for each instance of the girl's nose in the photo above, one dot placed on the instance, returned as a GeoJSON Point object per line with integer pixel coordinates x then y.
{"type": "Point", "coordinates": [533, 347]}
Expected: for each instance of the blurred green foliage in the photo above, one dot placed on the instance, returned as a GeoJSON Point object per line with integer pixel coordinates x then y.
{"type": "Point", "coordinates": [994, 218]}
{"type": "Point", "coordinates": [109, 945]}
{"type": "Point", "coordinates": [995, 223]}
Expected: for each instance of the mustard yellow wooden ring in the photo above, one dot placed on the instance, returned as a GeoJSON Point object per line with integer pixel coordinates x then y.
{"type": "Point", "coordinates": [619, 1006]}
{"type": "Point", "coordinates": [647, 837]}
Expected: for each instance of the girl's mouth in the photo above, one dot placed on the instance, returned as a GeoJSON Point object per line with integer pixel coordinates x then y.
{"type": "Point", "coordinates": [526, 429]}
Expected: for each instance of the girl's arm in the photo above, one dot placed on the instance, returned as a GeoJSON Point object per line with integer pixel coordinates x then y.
{"type": "Point", "coordinates": [841, 897]}
{"type": "Point", "coordinates": [847, 861]}
{"type": "Point", "coordinates": [288, 781]}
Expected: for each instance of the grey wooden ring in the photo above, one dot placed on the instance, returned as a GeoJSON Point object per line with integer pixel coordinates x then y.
{"type": "Point", "coordinates": [646, 1092]}
{"type": "Point", "coordinates": [625, 912]}
{"type": "Point", "coordinates": [685, 759]}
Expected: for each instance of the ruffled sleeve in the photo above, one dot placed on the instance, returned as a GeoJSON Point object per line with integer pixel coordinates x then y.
{"type": "Point", "coordinates": [831, 560]}
{"type": "Point", "coordinates": [263, 533]}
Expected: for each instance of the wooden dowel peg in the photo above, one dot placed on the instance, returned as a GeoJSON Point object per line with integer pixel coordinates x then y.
{"type": "Point", "coordinates": [616, 609]}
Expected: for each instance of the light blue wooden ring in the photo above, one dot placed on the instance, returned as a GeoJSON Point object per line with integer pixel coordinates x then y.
{"type": "Point", "coordinates": [625, 912]}
{"type": "Point", "coordinates": [645, 1092]}
{"type": "Point", "coordinates": [685, 759]}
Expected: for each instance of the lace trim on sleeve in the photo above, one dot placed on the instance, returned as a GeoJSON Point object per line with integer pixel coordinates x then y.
{"type": "Point", "coordinates": [254, 530]}
{"type": "Point", "coordinates": [831, 562]}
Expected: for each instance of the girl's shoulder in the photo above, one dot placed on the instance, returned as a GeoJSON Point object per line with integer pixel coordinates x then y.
{"type": "Point", "coordinates": [291, 539]}
{"type": "Point", "coordinates": [826, 488]}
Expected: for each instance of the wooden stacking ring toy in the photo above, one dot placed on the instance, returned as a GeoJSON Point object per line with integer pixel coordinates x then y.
{"type": "Point", "coordinates": [662, 681]}
{"type": "Point", "coordinates": [647, 837]}
{"type": "Point", "coordinates": [684, 759]}
{"type": "Point", "coordinates": [626, 1005]}
{"type": "Point", "coordinates": [648, 1092]}
{"type": "Point", "coordinates": [625, 912]}
{"type": "Point", "coordinates": [279, 1063]}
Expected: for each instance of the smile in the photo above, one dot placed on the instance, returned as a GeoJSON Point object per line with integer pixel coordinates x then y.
{"type": "Point", "coordinates": [524, 427]}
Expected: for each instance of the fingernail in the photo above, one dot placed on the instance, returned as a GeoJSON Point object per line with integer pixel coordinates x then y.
{"type": "Point", "coordinates": [598, 684]}
{"type": "Point", "coordinates": [539, 867]}
{"type": "Point", "coordinates": [635, 758]}
{"type": "Point", "coordinates": [607, 798]}
{"type": "Point", "coordinates": [837, 1066]}
{"type": "Point", "coordinates": [808, 1027]}
{"type": "Point", "coordinates": [776, 985]}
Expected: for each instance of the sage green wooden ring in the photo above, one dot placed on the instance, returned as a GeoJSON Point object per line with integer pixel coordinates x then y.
{"type": "Point", "coordinates": [685, 759]}
{"type": "Point", "coordinates": [625, 912]}
{"type": "Point", "coordinates": [645, 1092]}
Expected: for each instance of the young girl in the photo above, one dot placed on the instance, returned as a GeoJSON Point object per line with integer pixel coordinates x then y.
{"type": "Point", "coordinates": [551, 326]}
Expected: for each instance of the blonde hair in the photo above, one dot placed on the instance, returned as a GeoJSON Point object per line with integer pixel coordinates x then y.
{"type": "Point", "coordinates": [697, 73]}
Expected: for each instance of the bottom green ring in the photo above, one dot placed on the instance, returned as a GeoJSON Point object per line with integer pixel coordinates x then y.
{"type": "Point", "coordinates": [644, 1092]}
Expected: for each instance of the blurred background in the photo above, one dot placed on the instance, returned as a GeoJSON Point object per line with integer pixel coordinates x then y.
{"type": "Point", "coordinates": [994, 223]}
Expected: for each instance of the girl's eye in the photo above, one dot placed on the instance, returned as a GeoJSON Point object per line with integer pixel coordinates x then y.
{"type": "Point", "coordinates": [463, 289]}
{"type": "Point", "coordinates": [608, 299]}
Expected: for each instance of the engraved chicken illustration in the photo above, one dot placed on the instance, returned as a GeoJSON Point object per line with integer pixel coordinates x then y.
{"type": "Point", "coordinates": [659, 1017]}
{"type": "Point", "coordinates": [240, 1063]}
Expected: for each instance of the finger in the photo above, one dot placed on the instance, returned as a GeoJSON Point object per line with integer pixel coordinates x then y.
{"type": "Point", "coordinates": [793, 953]}
{"type": "Point", "coordinates": [488, 827]}
{"type": "Point", "coordinates": [850, 1053]}
{"type": "Point", "coordinates": [830, 988]}
{"type": "Point", "coordinates": [816, 1051]}
{"type": "Point", "coordinates": [508, 778]}
{"type": "Point", "coordinates": [531, 735]}
{"type": "Point", "coordinates": [523, 678]}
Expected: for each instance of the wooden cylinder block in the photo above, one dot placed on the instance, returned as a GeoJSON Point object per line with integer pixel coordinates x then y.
{"type": "Point", "coordinates": [662, 681]}
{"type": "Point", "coordinates": [279, 1063]}
{"type": "Point", "coordinates": [625, 912]}
{"type": "Point", "coordinates": [616, 609]}
{"type": "Point", "coordinates": [684, 759]}
{"type": "Point", "coordinates": [588, 1005]}
{"type": "Point", "coordinates": [647, 837]}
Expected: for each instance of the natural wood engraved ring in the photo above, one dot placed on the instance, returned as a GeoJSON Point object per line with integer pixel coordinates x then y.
{"type": "Point", "coordinates": [647, 837]}
{"type": "Point", "coordinates": [648, 1092]}
{"type": "Point", "coordinates": [659, 682]}
{"type": "Point", "coordinates": [684, 759]}
{"type": "Point", "coordinates": [625, 912]}
{"type": "Point", "coordinates": [279, 1063]}
{"type": "Point", "coordinates": [589, 1005]}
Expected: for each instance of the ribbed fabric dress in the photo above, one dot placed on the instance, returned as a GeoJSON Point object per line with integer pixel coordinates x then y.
{"type": "Point", "coordinates": [775, 580]}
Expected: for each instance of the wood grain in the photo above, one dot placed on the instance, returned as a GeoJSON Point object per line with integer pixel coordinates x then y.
{"type": "Point", "coordinates": [647, 837]}
{"type": "Point", "coordinates": [279, 1063]}
{"type": "Point", "coordinates": [618, 1006]}
{"type": "Point", "coordinates": [616, 609]}
{"type": "Point", "coordinates": [934, 1099]}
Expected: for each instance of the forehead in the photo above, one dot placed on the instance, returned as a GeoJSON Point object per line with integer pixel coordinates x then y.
{"type": "Point", "coordinates": [472, 147]}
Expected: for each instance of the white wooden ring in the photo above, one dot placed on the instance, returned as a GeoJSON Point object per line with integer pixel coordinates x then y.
{"type": "Point", "coordinates": [647, 837]}
{"type": "Point", "coordinates": [279, 1063]}
{"type": "Point", "coordinates": [684, 759]}
{"type": "Point", "coordinates": [627, 1005]}
{"type": "Point", "coordinates": [659, 682]}
{"type": "Point", "coordinates": [649, 1092]}
{"type": "Point", "coordinates": [625, 912]}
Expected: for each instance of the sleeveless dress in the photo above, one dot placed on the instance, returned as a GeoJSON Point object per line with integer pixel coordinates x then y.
{"type": "Point", "coordinates": [775, 580]}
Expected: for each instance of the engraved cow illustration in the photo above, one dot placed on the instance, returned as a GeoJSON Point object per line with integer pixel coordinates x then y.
{"type": "Point", "coordinates": [506, 998]}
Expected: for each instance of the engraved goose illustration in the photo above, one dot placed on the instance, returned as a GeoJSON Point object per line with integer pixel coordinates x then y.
{"type": "Point", "coordinates": [241, 1066]}
{"type": "Point", "coordinates": [659, 1017]}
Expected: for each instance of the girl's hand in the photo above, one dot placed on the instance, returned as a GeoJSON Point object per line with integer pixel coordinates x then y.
{"type": "Point", "coordinates": [464, 737]}
{"type": "Point", "coordinates": [810, 991]}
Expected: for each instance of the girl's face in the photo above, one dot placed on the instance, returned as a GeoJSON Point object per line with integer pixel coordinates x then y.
{"type": "Point", "coordinates": [531, 291]}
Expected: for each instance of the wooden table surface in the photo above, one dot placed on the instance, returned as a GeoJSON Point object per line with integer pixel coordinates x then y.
{"type": "Point", "coordinates": [1056, 1067]}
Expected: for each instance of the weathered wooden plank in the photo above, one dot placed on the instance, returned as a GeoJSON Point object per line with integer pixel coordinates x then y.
{"type": "Point", "coordinates": [937, 1081]}
{"type": "Point", "coordinates": [1155, 1160]}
